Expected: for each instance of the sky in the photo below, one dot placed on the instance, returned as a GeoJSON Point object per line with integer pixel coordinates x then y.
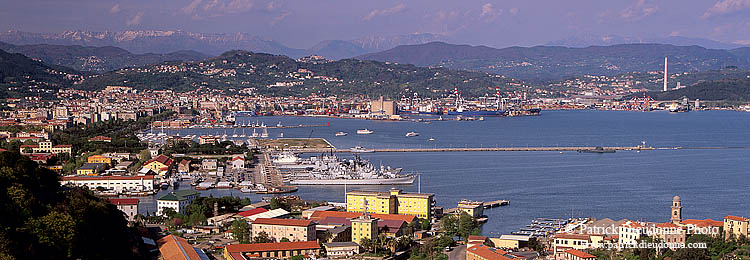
{"type": "Point", "coordinates": [303, 23]}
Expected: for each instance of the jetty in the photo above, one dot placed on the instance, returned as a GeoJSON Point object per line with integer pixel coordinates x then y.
{"type": "Point", "coordinates": [496, 203]}
{"type": "Point", "coordinates": [476, 149]}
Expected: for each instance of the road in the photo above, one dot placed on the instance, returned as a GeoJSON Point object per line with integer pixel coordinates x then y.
{"type": "Point", "coordinates": [458, 253]}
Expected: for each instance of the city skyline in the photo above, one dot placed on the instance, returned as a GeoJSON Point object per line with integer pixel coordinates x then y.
{"type": "Point", "coordinates": [490, 23]}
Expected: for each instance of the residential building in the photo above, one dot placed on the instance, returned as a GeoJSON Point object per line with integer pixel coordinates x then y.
{"type": "Point", "coordinates": [99, 159]}
{"type": "Point", "coordinates": [565, 241]}
{"type": "Point", "coordinates": [341, 249]}
{"type": "Point", "coordinates": [160, 165]}
{"type": "Point", "coordinates": [318, 215]}
{"type": "Point", "coordinates": [46, 147]}
{"type": "Point", "coordinates": [128, 206]}
{"type": "Point", "coordinates": [183, 166]}
{"type": "Point", "coordinates": [482, 252]}
{"type": "Point", "coordinates": [209, 164]}
{"type": "Point", "coordinates": [292, 229]}
{"type": "Point", "coordinates": [736, 226]}
{"type": "Point", "coordinates": [670, 233]}
{"type": "Point", "coordinates": [173, 247]}
{"type": "Point", "coordinates": [91, 168]}
{"type": "Point", "coordinates": [280, 250]}
{"type": "Point", "coordinates": [629, 233]}
{"type": "Point", "coordinates": [702, 226]}
{"type": "Point", "coordinates": [116, 183]}
{"type": "Point", "coordinates": [176, 200]}
{"type": "Point", "coordinates": [364, 227]}
{"type": "Point", "coordinates": [238, 162]}
{"type": "Point", "coordinates": [572, 254]}
{"type": "Point", "coordinates": [393, 202]}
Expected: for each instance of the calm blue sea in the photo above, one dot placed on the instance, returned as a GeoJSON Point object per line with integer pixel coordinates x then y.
{"type": "Point", "coordinates": [626, 184]}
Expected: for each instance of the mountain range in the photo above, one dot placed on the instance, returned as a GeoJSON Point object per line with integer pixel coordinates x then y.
{"type": "Point", "coordinates": [545, 63]}
{"type": "Point", "coordinates": [582, 41]}
{"type": "Point", "coordinates": [155, 41]}
{"type": "Point", "coordinates": [95, 59]}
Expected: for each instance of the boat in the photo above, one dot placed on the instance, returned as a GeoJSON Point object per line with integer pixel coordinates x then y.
{"type": "Point", "coordinates": [360, 149]}
{"type": "Point", "coordinates": [285, 158]}
{"type": "Point", "coordinates": [279, 125]}
{"type": "Point", "coordinates": [328, 170]}
{"type": "Point", "coordinates": [431, 139]}
{"type": "Point", "coordinates": [281, 135]}
{"type": "Point", "coordinates": [597, 149]}
{"type": "Point", "coordinates": [364, 131]}
{"type": "Point", "coordinates": [341, 133]}
{"type": "Point", "coordinates": [265, 133]}
{"type": "Point", "coordinates": [412, 134]}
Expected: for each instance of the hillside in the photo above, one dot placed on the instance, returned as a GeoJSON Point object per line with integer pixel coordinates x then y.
{"type": "Point", "coordinates": [95, 59]}
{"type": "Point", "coordinates": [280, 75]}
{"type": "Point", "coordinates": [21, 76]}
{"type": "Point", "coordinates": [715, 90]}
{"type": "Point", "coordinates": [544, 63]}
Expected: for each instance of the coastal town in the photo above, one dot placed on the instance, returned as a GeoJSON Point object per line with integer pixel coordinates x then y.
{"type": "Point", "coordinates": [121, 154]}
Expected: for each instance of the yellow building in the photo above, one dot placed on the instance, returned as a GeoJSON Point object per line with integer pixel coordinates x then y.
{"type": "Point", "coordinates": [364, 227]}
{"type": "Point", "coordinates": [393, 202]}
{"type": "Point", "coordinates": [99, 159]}
{"type": "Point", "coordinates": [160, 165]}
{"type": "Point", "coordinates": [737, 226]}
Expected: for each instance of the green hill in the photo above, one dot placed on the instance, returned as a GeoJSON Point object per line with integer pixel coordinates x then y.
{"type": "Point", "coordinates": [280, 75]}
{"type": "Point", "coordinates": [714, 90]}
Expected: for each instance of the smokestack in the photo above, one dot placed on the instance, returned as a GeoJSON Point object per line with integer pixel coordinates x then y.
{"type": "Point", "coordinates": [665, 73]}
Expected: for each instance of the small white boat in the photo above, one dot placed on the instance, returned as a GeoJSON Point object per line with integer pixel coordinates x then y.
{"type": "Point", "coordinates": [279, 124]}
{"type": "Point", "coordinates": [431, 139]}
{"type": "Point", "coordinates": [360, 149]}
{"type": "Point", "coordinates": [364, 131]}
{"type": "Point", "coordinates": [341, 133]}
{"type": "Point", "coordinates": [481, 118]}
{"type": "Point", "coordinates": [412, 134]}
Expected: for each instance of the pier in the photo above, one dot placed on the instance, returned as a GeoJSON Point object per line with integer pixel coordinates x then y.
{"type": "Point", "coordinates": [496, 203]}
{"type": "Point", "coordinates": [476, 149]}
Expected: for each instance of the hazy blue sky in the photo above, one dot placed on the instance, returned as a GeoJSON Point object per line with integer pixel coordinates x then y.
{"type": "Point", "coordinates": [303, 23]}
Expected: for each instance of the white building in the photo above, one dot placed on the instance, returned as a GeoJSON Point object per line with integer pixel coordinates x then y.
{"type": "Point", "coordinates": [629, 233]}
{"type": "Point", "coordinates": [116, 183]}
{"type": "Point", "coordinates": [128, 206]}
{"type": "Point", "coordinates": [177, 200]}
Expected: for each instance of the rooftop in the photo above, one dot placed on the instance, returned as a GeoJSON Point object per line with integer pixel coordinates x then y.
{"type": "Point", "coordinates": [262, 247]}
{"type": "Point", "coordinates": [282, 222]}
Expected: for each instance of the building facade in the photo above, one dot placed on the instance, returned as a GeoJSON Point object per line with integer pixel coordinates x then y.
{"type": "Point", "coordinates": [128, 206]}
{"type": "Point", "coordinates": [736, 226]}
{"type": "Point", "coordinates": [393, 202]}
{"type": "Point", "coordinates": [292, 229]}
{"type": "Point", "coordinates": [177, 201]}
{"type": "Point", "coordinates": [364, 227]}
{"type": "Point", "coordinates": [116, 183]}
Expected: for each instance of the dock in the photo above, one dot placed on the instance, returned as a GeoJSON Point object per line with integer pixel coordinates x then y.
{"type": "Point", "coordinates": [496, 203]}
{"type": "Point", "coordinates": [477, 149]}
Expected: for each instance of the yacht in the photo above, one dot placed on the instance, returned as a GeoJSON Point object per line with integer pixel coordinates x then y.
{"type": "Point", "coordinates": [286, 158]}
{"type": "Point", "coordinates": [431, 139]}
{"type": "Point", "coordinates": [412, 134]}
{"type": "Point", "coordinates": [364, 131]}
{"type": "Point", "coordinates": [341, 133]}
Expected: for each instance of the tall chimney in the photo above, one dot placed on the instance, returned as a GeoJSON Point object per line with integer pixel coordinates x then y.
{"type": "Point", "coordinates": [665, 73]}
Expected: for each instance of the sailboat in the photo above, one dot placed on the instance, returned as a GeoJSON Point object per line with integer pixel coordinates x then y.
{"type": "Point", "coordinates": [265, 133]}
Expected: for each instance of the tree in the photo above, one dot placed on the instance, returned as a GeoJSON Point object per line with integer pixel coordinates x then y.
{"type": "Point", "coordinates": [448, 225]}
{"type": "Point", "coordinates": [275, 204]}
{"type": "Point", "coordinates": [262, 237]}
{"type": "Point", "coordinates": [41, 220]}
{"type": "Point", "coordinates": [284, 239]}
{"type": "Point", "coordinates": [241, 231]}
{"type": "Point", "coordinates": [367, 244]}
{"type": "Point", "coordinates": [425, 224]}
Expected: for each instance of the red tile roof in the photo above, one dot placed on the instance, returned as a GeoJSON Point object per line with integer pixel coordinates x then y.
{"type": "Point", "coordinates": [487, 252]}
{"type": "Point", "coordinates": [124, 201]}
{"type": "Point", "coordinates": [703, 222]}
{"type": "Point", "coordinates": [667, 225]}
{"type": "Point", "coordinates": [283, 222]}
{"type": "Point", "coordinates": [580, 254]}
{"type": "Point", "coordinates": [736, 218]}
{"type": "Point", "coordinates": [263, 247]}
{"type": "Point", "coordinates": [162, 159]}
{"type": "Point", "coordinates": [173, 247]}
{"type": "Point", "coordinates": [572, 236]}
{"type": "Point", "coordinates": [251, 212]}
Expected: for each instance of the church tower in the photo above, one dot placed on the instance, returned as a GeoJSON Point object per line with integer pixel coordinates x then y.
{"type": "Point", "coordinates": [676, 210]}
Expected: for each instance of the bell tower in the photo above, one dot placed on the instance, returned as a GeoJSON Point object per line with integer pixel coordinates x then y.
{"type": "Point", "coordinates": [676, 210]}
